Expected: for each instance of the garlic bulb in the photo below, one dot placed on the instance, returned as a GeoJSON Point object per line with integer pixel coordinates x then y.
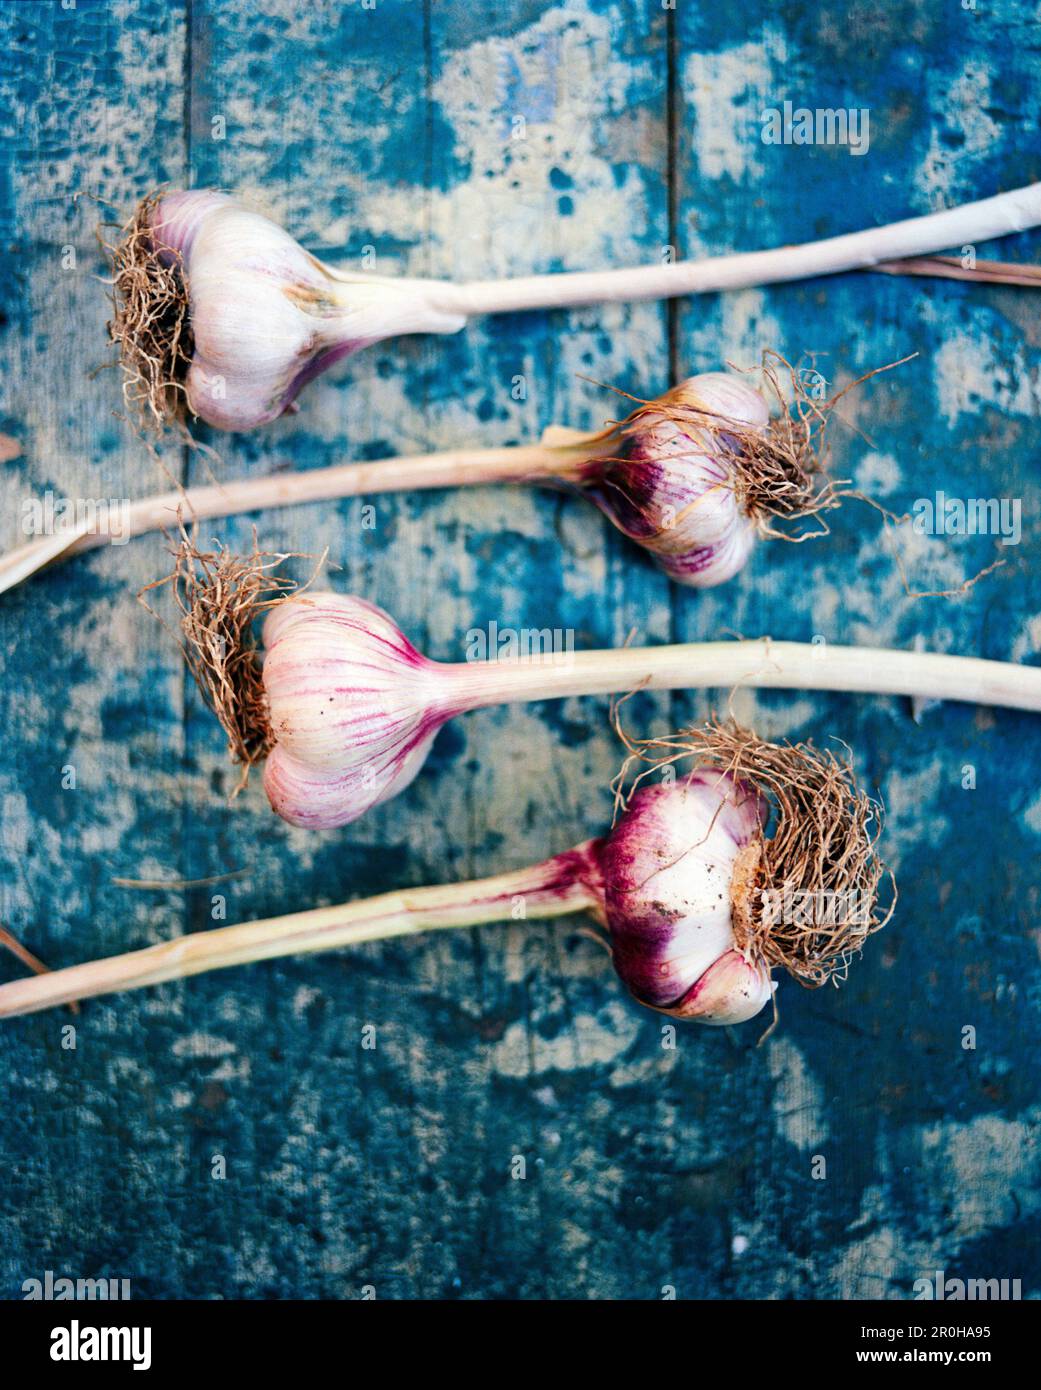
{"type": "Point", "coordinates": [672, 868]}
{"type": "Point", "coordinates": [675, 482]}
{"type": "Point", "coordinates": [353, 708]}
{"type": "Point", "coordinates": [267, 317]}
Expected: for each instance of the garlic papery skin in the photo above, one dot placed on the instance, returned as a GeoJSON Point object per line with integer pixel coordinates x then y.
{"type": "Point", "coordinates": [670, 875]}
{"type": "Point", "coordinates": [266, 316]}
{"type": "Point", "coordinates": [732, 990]}
{"type": "Point", "coordinates": [672, 482]}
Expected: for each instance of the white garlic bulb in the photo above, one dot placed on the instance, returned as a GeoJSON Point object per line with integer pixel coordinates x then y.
{"type": "Point", "coordinates": [266, 316]}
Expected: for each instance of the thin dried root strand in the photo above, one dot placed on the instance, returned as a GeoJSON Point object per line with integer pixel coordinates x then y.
{"type": "Point", "coordinates": [151, 323]}
{"type": "Point", "coordinates": [785, 474]}
{"type": "Point", "coordinates": [812, 899]}
{"type": "Point", "coordinates": [219, 595]}
{"type": "Point", "coordinates": [10, 942]}
{"type": "Point", "coordinates": [891, 523]}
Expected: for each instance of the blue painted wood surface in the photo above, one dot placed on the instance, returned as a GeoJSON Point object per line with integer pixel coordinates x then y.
{"type": "Point", "coordinates": [395, 127]}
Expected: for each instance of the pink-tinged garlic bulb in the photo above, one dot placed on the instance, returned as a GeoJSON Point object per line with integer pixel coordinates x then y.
{"type": "Point", "coordinates": [696, 475]}
{"type": "Point", "coordinates": [221, 312]}
{"type": "Point", "coordinates": [672, 868]}
{"type": "Point", "coordinates": [353, 708]}
{"type": "Point", "coordinates": [677, 478]}
{"type": "Point", "coordinates": [759, 855]}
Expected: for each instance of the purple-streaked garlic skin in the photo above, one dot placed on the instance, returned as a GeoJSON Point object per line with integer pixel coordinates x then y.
{"type": "Point", "coordinates": [668, 869]}
{"type": "Point", "coordinates": [177, 219]}
{"type": "Point", "coordinates": [671, 487]}
{"type": "Point", "coordinates": [732, 990]}
{"type": "Point", "coordinates": [266, 316]}
{"type": "Point", "coordinates": [353, 708]}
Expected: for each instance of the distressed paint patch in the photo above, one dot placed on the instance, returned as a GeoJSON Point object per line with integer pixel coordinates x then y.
{"type": "Point", "coordinates": [202, 1045]}
{"type": "Point", "coordinates": [727, 91]}
{"type": "Point", "coordinates": [1028, 642]}
{"type": "Point", "coordinates": [560, 77]}
{"type": "Point", "coordinates": [798, 1100]}
{"type": "Point", "coordinates": [913, 798]}
{"type": "Point", "coordinates": [963, 135]}
{"type": "Point", "coordinates": [591, 1040]}
{"type": "Point", "coordinates": [989, 1167]}
{"type": "Point", "coordinates": [970, 371]}
{"type": "Point", "coordinates": [981, 1174]}
{"type": "Point", "coordinates": [878, 475]}
{"type": "Point", "coordinates": [1032, 815]}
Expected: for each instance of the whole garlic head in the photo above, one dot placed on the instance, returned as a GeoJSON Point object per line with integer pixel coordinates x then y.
{"type": "Point", "coordinates": [267, 317]}
{"type": "Point", "coordinates": [672, 484]}
{"type": "Point", "coordinates": [353, 708]}
{"type": "Point", "coordinates": [670, 871]}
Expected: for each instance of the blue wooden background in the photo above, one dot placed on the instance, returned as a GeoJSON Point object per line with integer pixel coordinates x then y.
{"type": "Point", "coordinates": [395, 126]}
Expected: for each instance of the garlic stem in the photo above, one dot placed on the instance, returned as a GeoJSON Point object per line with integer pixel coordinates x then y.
{"type": "Point", "coordinates": [760, 663]}
{"type": "Point", "coordinates": [457, 467]}
{"type": "Point", "coordinates": [1013, 211]}
{"type": "Point", "coordinates": [558, 886]}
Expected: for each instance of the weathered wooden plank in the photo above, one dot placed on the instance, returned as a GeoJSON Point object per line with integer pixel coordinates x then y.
{"type": "Point", "coordinates": [919, 1134]}
{"type": "Point", "coordinates": [92, 104]}
{"type": "Point", "coordinates": [569, 172]}
{"type": "Point", "coordinates": [436, 188]}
